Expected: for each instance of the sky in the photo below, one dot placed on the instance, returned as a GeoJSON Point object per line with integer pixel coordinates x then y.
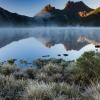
{"type": "Point", "coordinates": [32, 7]}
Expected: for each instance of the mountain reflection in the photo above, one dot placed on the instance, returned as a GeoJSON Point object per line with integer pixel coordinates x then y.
{"type": "Point", "coordinates": [32, 49]}
{"type": "Point", "coordinates": [51, 36]}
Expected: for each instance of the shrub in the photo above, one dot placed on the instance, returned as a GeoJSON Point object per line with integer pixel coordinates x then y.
{"type": "Point", "coordinates": [11, 89]}
{"type": "Point", "coordinates": [88, 68]}
{"type": "Point", "coordinates": [40, 63]}
{"type": "Point", "coordinates": [31, 73]}
{"type": "Point", "coordinates": [53, 91]}
{"type": "Point", "coordinates": [42, 76]}
{"type": "Point", "coordinates": [52, 72]}
{"type": "Point", "coordinates": [7, 69]}
{"type": "Point", "coordinates": [11, 61]}
{"type": "Point", "coordinates": [20, 75]}
{"type": "Point", "coordinates": [52, 68]}
{"type": "Point", "coordinates": [70, 91]}
{"type": "Point", "coordinates": [93, 92]}
{"type": "Point", "coordinates": [40, 91]}
{"type": "Point", "coordinates": [56, 77]}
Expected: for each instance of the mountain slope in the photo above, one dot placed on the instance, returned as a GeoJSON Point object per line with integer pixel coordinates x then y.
{"type": "Point", "coordinates": [91, 18]}
{"type": "Point", "coordinates": [12, 19]}
{"type": "Point", "coordinates": [96, 11]}
{"type": "Point", "coordinates": [93, 12]}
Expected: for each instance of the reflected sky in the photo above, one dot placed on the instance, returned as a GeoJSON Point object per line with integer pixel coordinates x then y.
{"type": "Point", "coordinates": [32, 49]}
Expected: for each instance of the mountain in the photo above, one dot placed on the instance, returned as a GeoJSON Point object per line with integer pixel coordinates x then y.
{"type": "Point", "coordinates": [50, 16]}
{"type": "Point", "coordinates": [12, 19]}
{"type": "Point", "coordinates": [74, 13]}
{"type": "Point", "coordinates": [68, 16]}
{"type": "Point", "coordinates": [72, 8]}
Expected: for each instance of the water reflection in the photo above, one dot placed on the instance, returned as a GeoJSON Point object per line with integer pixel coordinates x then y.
{"type": "Point", "coordinates": [50, 36]}
{"type": "Point", "coordinates": [46, 42]}
{"type": "Point", "coordinates": [31, 49]}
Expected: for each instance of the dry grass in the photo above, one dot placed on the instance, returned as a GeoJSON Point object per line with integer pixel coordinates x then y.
{"type": "Point", "coordinates": [52, 91]}
{"type": "Point", "coordinates": [53, 80]}
{"type": "Point", "coordinates": [7, 69]}
{"type": "Point", "coordinates": [11, 89]}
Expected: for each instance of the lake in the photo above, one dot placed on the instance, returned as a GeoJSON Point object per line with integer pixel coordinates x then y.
{"type": "Point", "coordinates": [47, 42]}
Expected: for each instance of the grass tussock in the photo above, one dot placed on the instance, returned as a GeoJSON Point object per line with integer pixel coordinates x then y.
{"type": "Point", "coordinates": [52, 79]}
{"type": "Point", "coordinates": [11, 89]}
{"type": "Point", "coordinates": [52, 91]}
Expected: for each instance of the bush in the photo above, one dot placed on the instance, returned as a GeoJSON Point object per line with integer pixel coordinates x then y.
{"type": "Point", "coordinates": [52, 68]}
{"type": "Point", "coordinates": [93, 92]}
{"type": "Point", "coordinates": [40, 91]}
{"type": "Point", "coordinates": [31, 73]}
{"type": "Point", "coordinates": [11, 61]}
{"type": "Point", "coordinates": [11, 89]}
{"type": "Point", "coordinates": [20, 75]}
{"type": "Point", "coordinates": [53, 91]}
{"type": "Point", "coordinates": [7, 69]}
{"type": "Point", "coordinates": [88, 68]}
{"type": "Point", "coordinates": [42, 76]}
{"type": "Point", "coordinates": [42, 62]}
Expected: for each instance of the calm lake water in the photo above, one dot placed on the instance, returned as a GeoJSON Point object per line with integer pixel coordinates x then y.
{"type": "Point", "coordinates": [46, 42]}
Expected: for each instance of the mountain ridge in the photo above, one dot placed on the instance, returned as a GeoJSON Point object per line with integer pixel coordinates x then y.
{"type": "Point", "coordinates": [71, 14]}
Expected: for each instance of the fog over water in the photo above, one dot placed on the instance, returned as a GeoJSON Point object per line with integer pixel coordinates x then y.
{"type": "Point", "coordinates": [33, 43]}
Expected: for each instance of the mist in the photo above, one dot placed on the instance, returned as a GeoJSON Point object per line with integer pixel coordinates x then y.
{"type": "Point", "coordinates": [52, 35]}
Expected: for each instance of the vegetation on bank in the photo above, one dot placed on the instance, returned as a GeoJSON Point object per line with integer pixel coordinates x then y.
{"type": "Point", "coordinates": [53, 79]}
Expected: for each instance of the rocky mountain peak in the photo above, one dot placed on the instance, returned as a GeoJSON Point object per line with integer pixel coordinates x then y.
{"type": "Point", "coordinates": [77, 6]}
{"type": "Point", "coordinates": [48, 8]}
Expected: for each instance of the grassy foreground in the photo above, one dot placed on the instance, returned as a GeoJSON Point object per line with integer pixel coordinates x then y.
{"type": "Point", "coordinates": [52, 80]}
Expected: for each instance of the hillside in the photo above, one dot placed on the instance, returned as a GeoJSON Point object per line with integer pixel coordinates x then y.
{"type": "Point", "coordinates": [12, 19]}
{"type": "Point", "coordinates": [91, 18]}
{"type": "Point", "coordinates": [93, 12]}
